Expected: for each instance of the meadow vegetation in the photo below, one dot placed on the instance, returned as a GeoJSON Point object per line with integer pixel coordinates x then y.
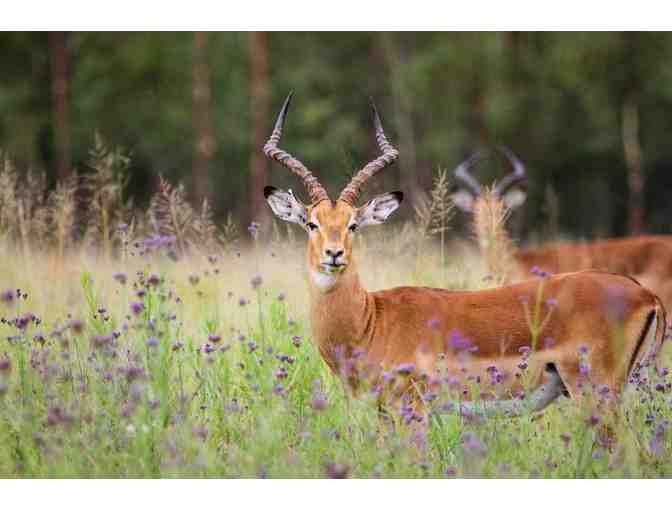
{"type": "Point", "coordinates": [159, 344]}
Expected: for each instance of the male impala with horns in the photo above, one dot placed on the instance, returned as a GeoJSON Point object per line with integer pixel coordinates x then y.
{"type": "Point", "coordinates": [392, 328]}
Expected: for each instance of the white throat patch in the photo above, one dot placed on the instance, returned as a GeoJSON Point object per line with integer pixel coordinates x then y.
{"type": "Point", "coordinates": [324, 282]}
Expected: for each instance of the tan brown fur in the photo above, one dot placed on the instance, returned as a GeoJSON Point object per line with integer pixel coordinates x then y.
{"type": "Point", "coordinates": [648, 259]}
{"type": "Point", "coordinates": [402, 325]}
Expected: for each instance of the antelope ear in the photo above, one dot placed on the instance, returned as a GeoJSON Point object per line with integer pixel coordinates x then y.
{"type": "Point", "coordinates": [463, 199]}
{"type": "Point", "coordinates": [378, 209]}
{"type": "Point", "coordinates": [285, 205]}
{"type": "Point", "coordinates": [514, 197]}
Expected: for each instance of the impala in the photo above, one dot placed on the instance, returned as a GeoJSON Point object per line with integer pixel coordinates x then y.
{"type": "Point", "coordinates": [648, 259]}
{"type": "Point", "coordinates": [416, 330]}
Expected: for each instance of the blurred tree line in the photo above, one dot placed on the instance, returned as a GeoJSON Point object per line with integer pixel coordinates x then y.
{"type": "Point", "coordinates": [587, 112]}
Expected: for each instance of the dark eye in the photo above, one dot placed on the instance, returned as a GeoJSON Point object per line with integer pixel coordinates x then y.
{"type": "Point", "coordinates": [311, 226]}
{"type": "Point", "coordinates": [353, 227]}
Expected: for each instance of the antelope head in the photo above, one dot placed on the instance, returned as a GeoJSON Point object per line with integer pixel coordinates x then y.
{"type": "Point", "coordinates": [330, 225]}
{"type": "Point", "coordinates": [512, 190]}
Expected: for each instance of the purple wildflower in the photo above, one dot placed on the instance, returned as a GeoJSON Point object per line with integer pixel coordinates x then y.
{"type": "Point", "coordinates": [552, 302]}
{"type": "Point", "coordinates": [256, 281]}
{"type": "Point", "coordinates": [473, 445]}
{"type": "Point", "coordinates": [120, 277]}
{"type": "Point", "coordinates": [155, 243]}
{"type": "Point", "coordinates": [657, 443]}
{"type": "Point", "coordinates": [537, 271]}
{"type": "Point", "coordinates": [137, 307]}
{"type": "Point", "coordinates": [201, 432]}
{"type": "Point", "coordinates": [214, 338]}
{"type": "Point", "coordinates": [603, 389]}
{"type": "Point", "coordinates": [5, 365]}
{"type": "Point", "coordinates": [584, 368]}
{"type": "Point", "coordinates": [593, 420]}
{"type": "Point", "coordinates": [319, 402]}
{"type": "Point", "coordinates": [7, 296]}
{"type": "Point", "coordinates": [133, 373]}
{"type": "Point", "coordinates": [253, 229]}
{"type": "Point", "coordinates": [296, 340]}
{"type": "Point", "coordinates": [57, 416]}
{"type": "Point", "coordinates": [405, 368]}
{"type": "Point", "coordinates": [152, 341]}
{"type": "Point", "coordinates": [336, 470]}
{"type": "Point", "coordinates": [153, 279]}
{"type": "Point", "coordinates": [458, 341]}
{"type": "Point", "coordinates": [100, 341]}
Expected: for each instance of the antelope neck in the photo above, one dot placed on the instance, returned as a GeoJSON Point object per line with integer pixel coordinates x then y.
{"type": "Point", "coordinates": [344, 316]}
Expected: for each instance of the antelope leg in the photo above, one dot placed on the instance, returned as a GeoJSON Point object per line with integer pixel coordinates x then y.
{"type": "Point", "coordinates": [538, 400]}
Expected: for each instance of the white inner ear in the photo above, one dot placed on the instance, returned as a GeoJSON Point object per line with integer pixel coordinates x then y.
{"type": "Point", "coordinates": [286, 207]}
{"type": "Point", "coordinates": [463, 200]}
{"type": "Point", "coordinates": [514, 198]}
{"type": "Point", "coordinates": [377, 210]}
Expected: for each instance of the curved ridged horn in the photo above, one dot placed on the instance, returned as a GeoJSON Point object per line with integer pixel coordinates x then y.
{"type": "Point", "coordinates": [351, 192]}
{"type": "Point", "coordinates": [516, 176]}
{"type": "Point", "coordinates": [271, 150]}
{"type": "Point", "coordinates": [463, 174]}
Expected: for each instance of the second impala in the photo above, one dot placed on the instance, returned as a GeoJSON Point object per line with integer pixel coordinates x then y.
{"type": "Point", "coordinates": [646, 258]}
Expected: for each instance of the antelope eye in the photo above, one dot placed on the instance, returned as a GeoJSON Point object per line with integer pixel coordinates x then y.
{"type": "Point", "coordinates": [353, 227]}
{"type": "Point", "coordinates": [311, 226]}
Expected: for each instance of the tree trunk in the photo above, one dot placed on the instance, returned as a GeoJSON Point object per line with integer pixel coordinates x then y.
{"type": "Point", "coordinates": [260, 128]}
{"type": "Point", "coordinates": [59, 56]}
{"type": "Point", "coordinates": [204, 138]}
{"type": "Point", "coordinates": [633, 158]}
{"type": "Point", "coordinates": [397, 48]}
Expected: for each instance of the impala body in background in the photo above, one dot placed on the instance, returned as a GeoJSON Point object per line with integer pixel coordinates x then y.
{"type": "Point", "coordinates": [416, 330]}
{"type": "Point", "coordinates": [648, 259]}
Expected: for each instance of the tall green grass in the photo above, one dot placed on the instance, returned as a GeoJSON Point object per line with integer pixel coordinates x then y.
{"type": "Point", "coordinates": [204, 367]}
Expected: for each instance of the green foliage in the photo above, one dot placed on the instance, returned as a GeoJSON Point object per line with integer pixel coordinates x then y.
{"type": "Point", "coordinates": [555, 98]}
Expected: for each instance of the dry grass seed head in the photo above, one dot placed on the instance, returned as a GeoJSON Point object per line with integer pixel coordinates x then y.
{"type": "Point", "coordinates": [490, 216]}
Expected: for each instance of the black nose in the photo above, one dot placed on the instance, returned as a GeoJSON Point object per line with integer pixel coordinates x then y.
{"type": "Point", "coordinates": [333, 254]}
